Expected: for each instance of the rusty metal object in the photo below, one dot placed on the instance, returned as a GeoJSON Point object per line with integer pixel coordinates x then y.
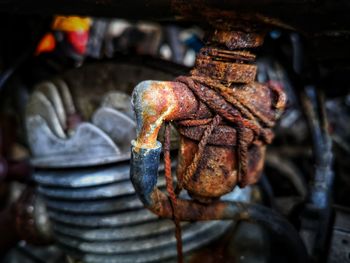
{"type": "Point", "coordinates": [227, 58]}
{"type": "Point", "coordinates": [221, 160]}
{"type": "Point", "coordinates": [219, 97]}
{"type": "Point", "coordinates": [155, 100]}
{"type": "Point", "coordinates": [237, 39]}
{"type": "Point", "coordinates": [231, 72]}
{"type": "Point", "coordinates": [222, 82]}
{"type": "Point", "coordinates": [224, 135]}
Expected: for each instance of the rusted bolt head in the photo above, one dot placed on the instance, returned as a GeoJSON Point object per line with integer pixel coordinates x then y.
{"type": "Point", "coordinates": [237, 39]}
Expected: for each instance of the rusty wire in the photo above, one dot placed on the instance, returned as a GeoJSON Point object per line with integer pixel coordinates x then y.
{"type": "Point", "coordinates": [237, 100]}
{"type": "Point", "coordinates": [171, 192]}
{"type": "Point", "coordinates": [232, 110]}
{"type": "Point", "coordinates": [192, 168]}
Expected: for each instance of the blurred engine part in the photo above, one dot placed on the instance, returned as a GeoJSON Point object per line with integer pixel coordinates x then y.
{"type": "Point", "coordinates": [339, 248]}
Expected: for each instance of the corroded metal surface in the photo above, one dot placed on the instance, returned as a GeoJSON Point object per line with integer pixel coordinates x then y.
{"type": "Point", "coordinates": [306, 15]}
{"type": "Point", "coordinates": [220, 160]}
{"type": "Point", "coordinates": [163, 100]}
{"type": "Point", "coordinates": [222, 84]}
{"type": "Point", "coordinates": [231, 72]}
{"type": "Point", "coordinates": [247, 38]}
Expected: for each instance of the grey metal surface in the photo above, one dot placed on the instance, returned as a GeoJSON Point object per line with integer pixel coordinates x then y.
{"type": "Point", "coordinates": [120, 203]}
{"type": "Point", "coordinates": [138, 244]}
{"type": "Point", "coordinates": [162, 254]}
{"type": "Point", "coordinates": [119, 229]}
{"type": "Point", "coordinates": [40, 105]}
{"type": "Point", "coordinates": [121, 233]}
{"type": "Point", "coordinates": [88, 146]}
{"type": "Point", "coordinates": [65, 95]}
{"type": "Point", "coordinates": [52, 94]}
{"type": "Point", "coordinates": [119, 126]}
{"type": "Point", "coordinates": [93, 192]}
{"type": "Point", "coordinates": [119, 101]}
{"type": "Point", "coordinates": [91, 176]}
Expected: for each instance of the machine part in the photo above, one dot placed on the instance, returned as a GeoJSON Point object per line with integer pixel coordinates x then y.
{"type": "Point", "coordinates": [32, 223]}
{"type": "Point", "coordinates": [218, 97]}
{"type": "Point", "coordinates": [104, 234]}
{"type": "Point", "coordinates": [40, 105]}
{"type": "Point", "coordinates": [119, 101]}
{"type": "Point", "coordinates": [95, 214]}
{"type": "Point", "coordinates": [102, 191]}
{"type": "Point", "coordinates": [85, 222]}
{"type": "Point", "coordinates": [249, 108]}
{"type": "Point", "coordinates": [317, 214]}
{"type": "Point", "coordinates": [51, 151]}
{"type": "Point", "coordinates": [69, 107]}
{"type": "Point", "coordinates": [130, 246]}
{"type": "Point", "coordinates": [339, 247]}
{"type": "Point", "coordinates": [163, 254]}
{"type": "Point", "coordinates": [117, 125]}
{"type": "Point", "coordinates": [83, 177]}
{"type": "Point", "coordinates": [51, 92]}
{"type": "Point", "coordinates": [208, 97]}
{"type": "Point", "coordinates": [26, 253]}
{"type": "Point", "coordinates": [312, 17]}
{"type": "Point", "coordinates": [73, 118]}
